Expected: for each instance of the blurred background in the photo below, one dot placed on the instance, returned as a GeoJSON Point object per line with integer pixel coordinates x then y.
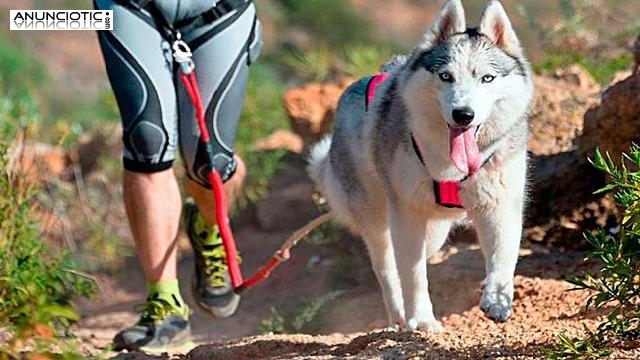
{"type": "Point", "coordinates": [62, 72]}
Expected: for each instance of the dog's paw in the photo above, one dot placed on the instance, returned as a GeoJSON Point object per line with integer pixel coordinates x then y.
{"type": "Point", "coordinates": [396, 325]}
{"type": "Point", "coordinates": [392, 328]}
{"type": "Point", "coordinates": [496, 304]}
{"type": "Point", "coordinates": [397, 319]}
{"type": "Point", "coordinates": [432, 326]}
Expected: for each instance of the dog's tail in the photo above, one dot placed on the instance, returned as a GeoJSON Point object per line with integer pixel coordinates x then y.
{"type": "Point", "coordinates": [319, 156]}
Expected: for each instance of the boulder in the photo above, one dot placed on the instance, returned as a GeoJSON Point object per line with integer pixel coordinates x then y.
{"type": "Point", "coordinates": [559, 104]}
{"type": "Point", "coordinates": [615, 124]}
{"type": "Point", "coordinates": [87, 152]}
{"type": "Point", "coordinates": [311, 109]}
{"type": "Point", "coordinates": [281, 139]}
{"type": "Point", "coordinates": [563, 205]}
{"type": "Point", "coordinates": [562, 181]}
{"type": "Point", "coordinates": [38, 162]}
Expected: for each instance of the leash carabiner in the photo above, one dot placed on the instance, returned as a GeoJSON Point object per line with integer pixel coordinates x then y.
{"type": "Point", "coordinates": [182, 55]}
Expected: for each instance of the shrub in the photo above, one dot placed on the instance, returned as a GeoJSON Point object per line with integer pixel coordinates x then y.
{"type": "Point", "coordinates": [603, 68]}
{"type": "Point", "coordinates": [616, 291]}
{"type": "Point", "coordinates": [36, 286]}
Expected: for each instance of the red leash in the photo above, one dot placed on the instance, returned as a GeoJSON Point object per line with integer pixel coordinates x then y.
{"type": "Point", "coordinates": [182, 55]}
{"type": "Point", "coordinates": [191, 86]}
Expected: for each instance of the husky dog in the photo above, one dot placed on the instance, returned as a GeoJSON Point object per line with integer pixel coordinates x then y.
{"type": "Point", "coordinates": [440, 141]}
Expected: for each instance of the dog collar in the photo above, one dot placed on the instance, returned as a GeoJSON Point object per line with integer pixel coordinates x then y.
{"type": "Point", "coordinates": [447, 192]}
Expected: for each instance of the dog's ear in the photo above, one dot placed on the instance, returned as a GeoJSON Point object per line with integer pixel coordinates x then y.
{"type": "Point", "coordinates": [449, 21]}
{"type": "Point", "coordinates": [496, 25]}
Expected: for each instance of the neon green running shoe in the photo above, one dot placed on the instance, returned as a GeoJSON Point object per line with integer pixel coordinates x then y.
{"type": "Point", "coordinates": [162, 327]}
{"type": "Point", "coordinates": [211, 285]}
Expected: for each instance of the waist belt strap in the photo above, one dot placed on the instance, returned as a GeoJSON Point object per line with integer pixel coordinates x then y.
{"type": "Point", "coordinates": [221, 9]}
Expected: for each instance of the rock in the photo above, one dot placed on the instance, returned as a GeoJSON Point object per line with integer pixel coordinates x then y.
{"type": "Point", "coordinates": [620, 76]}
{"type": "Point", "coordinates": [37, 161]}
{"type": "Point", "coordinates": [614, 124]}
{"type": "Point", "coordinates": [40, 162]}
{"type": "Point", "coordinates": [281, 139]}
{"type": "Point", "coordinates": [562, 201]}
{"type": "Point", "coordinates": [578, 76]}
{"type": "Point", "coordinates": [558, 106]}
{"type": "Point", "coordinates": [311, 109]}
{"type": "Point", "coordinates": [88, 150]}
{"type": "Point", "coordinates": [561, 178]}
{"type": "Point", "coordinates": [558, 171]}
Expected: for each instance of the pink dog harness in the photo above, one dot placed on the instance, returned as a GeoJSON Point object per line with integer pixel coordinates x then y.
{"type": "Point", "coordinates": [446, 192]}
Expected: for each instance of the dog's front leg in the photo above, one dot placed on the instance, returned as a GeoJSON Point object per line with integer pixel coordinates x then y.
{"type": "Point", "coordinates": [409, 233]}
{"type": "Point", "coordinates": [384, 266]}
{"type": "Point", "coordinates": [498, 222]}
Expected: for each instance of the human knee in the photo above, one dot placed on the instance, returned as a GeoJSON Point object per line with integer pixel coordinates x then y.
{"type": "Point", "coordinates": [145, 149]}
{"type": "Point", "coordinates": [133, 178]}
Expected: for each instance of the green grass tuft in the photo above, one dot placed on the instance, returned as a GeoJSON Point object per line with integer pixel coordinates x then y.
{"type": "Point", "coordinates": [601, 68]}
{"type": "Point", "coordinates": [298, 318]}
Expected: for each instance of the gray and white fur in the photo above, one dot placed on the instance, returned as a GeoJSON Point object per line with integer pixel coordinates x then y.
{"type": "Point", "coordinates": [377, 186]}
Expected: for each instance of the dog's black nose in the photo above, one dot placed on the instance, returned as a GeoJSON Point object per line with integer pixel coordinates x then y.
{"type": "Point", "coordinates": [463, 116]}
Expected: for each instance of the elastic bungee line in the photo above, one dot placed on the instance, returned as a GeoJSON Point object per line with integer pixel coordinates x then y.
{"type": "Point", "coordinates": [183, 56]}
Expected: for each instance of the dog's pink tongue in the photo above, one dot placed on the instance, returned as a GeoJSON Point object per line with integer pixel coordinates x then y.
{"type": "Point", "coordinates": [463, 150]}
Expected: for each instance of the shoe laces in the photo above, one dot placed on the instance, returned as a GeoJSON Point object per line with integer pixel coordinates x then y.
{"type": "Point", "coordinates": [211, 251]}
{"type": "Point", "coordinates": [156, 309]}
{"type": "Point", "coordinates": [215, 264]}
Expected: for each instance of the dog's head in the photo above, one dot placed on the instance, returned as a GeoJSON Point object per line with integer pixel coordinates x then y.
{"type": "Point", "coordinates": [472, 77]}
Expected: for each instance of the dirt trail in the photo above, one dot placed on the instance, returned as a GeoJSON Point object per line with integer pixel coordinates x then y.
{"type": "Point", "coordinates": [351, 326]}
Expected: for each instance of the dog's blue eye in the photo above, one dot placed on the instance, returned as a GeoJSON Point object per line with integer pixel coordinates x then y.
{"type": "Point", "coordinates": [446, 77]}
{"type": "Point", "coordinates": [488, 78]}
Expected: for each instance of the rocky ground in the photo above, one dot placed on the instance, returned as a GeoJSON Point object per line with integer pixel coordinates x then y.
{"type": "Point", "coordinates": [352, 326]}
